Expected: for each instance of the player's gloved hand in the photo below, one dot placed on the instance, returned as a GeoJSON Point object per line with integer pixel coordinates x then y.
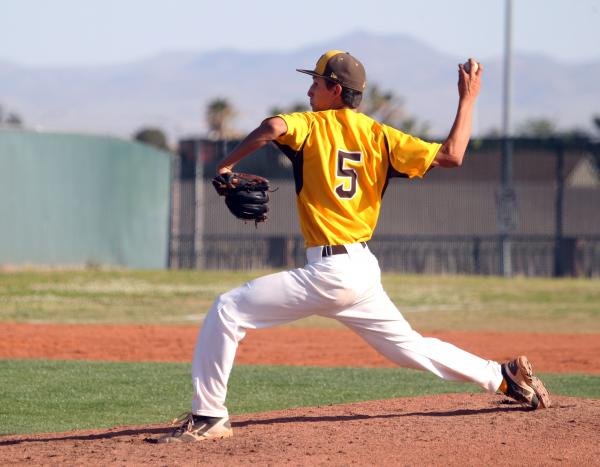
{"type": "Point", "coordinates": [246, 195]}
{"type": "Point", "coordinates": [222, 183]}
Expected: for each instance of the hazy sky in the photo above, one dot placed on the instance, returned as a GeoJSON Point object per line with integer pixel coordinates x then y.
{"type": "Point", "coordinates": [90, 32]}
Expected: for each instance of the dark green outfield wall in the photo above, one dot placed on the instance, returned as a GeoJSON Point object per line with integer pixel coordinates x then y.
{"type": "Point", "coordinates": [78, 199]}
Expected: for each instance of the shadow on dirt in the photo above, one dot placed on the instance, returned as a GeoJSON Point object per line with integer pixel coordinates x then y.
{"type": "Point", "coordinates": [90, 437]}
{"type": "Point", "coordinates": [341, 418]}
{"type": "Point", "coordinates": [505, 407]}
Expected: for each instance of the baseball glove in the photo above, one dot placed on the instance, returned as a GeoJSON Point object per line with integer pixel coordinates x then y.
{"type": "Point", "coordinates": [246, 195]}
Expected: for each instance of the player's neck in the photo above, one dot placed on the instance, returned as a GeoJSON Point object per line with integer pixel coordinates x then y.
{"type": "Point", "coordinates": [342, 107]}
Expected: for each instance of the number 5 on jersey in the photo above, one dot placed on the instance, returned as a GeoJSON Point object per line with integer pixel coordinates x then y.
{"type": "Point", "coordinates": [349, 173]}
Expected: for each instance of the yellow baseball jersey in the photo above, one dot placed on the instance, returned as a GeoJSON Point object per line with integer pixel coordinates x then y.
{"type": "Point", "coordinates": [342, 161]}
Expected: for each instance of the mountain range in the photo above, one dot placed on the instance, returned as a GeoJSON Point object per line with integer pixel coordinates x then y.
{"type": "Point", "coordinates": [171, 90]}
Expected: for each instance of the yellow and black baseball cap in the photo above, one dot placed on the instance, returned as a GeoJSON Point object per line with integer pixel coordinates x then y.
{"type": "Point", "coordinates": [340, 67]}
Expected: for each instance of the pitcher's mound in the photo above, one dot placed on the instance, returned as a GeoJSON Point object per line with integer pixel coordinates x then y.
{"type": "Point", "coordinates": [455, 429]}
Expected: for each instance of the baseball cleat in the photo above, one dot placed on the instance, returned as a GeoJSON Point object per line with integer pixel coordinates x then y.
{"type": "Point", "coordinates": [522, 385]}
{"type": "Point", "coordinates": [197, 428]}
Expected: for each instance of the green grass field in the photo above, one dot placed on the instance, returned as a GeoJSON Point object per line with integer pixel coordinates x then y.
{"type": "Point", "coordinates": [38, 395]}
{"type": "Point", "coordinates": [48, 396]}
{"type": "Point", "coordinates": [182, 297]}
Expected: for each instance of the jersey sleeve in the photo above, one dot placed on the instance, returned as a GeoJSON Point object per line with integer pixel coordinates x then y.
{"type": "Point", "coordinates": [410, 155]}
{"type": "Point", "coordinates": [298, 127]}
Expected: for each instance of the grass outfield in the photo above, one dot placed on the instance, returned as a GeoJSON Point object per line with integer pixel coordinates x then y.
{"type": "Point", "coordinates": [53, 396]}
{"type": "Point", "coordinates": [48, 396]}
{"type": "Point", "coordinates": [180, 297]}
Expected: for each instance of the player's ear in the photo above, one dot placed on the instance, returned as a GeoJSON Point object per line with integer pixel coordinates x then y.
{"type": "Point", "coordinates": [337, 89]}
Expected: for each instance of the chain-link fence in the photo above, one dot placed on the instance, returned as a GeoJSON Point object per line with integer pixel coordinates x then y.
{"type": "Point", "coordinates": [452, 221]}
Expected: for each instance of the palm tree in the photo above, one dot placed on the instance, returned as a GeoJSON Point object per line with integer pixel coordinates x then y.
{"type": "Point", "coordinates": [383, 106]}
{"type": "Point", "coordinates": [388, 108]}
{"type": "Point", "coordinates": [219, 114]}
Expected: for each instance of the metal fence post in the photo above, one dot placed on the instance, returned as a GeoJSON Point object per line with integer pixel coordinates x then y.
{"type": "Point", "coordinates": [559, 256]}
{"type": "Point", "coordinates": [198, 208]}
{"type": "Point", "coordinates": [175, 214]}
{"type": "Point", "coordinates": [507, 144]}
{"type": "Point", "coordinates": [477, 255]}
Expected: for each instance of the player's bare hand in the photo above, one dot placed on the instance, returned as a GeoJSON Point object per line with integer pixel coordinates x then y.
{"type": "Point", "coordinates": [469, 80]}
{"type": "Point", "coordinates": [224, 170]}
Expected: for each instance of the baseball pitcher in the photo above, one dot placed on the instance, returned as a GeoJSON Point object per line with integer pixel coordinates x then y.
{"type": "Point", "coordinates": [342, 162]}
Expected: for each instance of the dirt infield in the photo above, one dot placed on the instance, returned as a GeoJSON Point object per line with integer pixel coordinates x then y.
{"type": "Point", "coordinates": [457, 429]}
{"type": "Point", "coordinates": [570, 353]}
{"type": "Point", "coordinates": [436, 430]}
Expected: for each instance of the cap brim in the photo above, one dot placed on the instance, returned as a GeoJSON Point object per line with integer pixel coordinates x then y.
{"type": "Point", "coordinates": [309, 72]}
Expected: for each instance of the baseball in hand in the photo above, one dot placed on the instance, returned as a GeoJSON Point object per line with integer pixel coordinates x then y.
{"type": "Point", "coordinates": [467, 66]}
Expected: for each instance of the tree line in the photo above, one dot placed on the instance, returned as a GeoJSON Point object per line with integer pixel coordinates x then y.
{"type": "Point", "coordinates": [382, 105]}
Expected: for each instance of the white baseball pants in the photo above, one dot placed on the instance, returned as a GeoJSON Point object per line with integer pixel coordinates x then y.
{"type": "Point", "coordinates": [346, 287]}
